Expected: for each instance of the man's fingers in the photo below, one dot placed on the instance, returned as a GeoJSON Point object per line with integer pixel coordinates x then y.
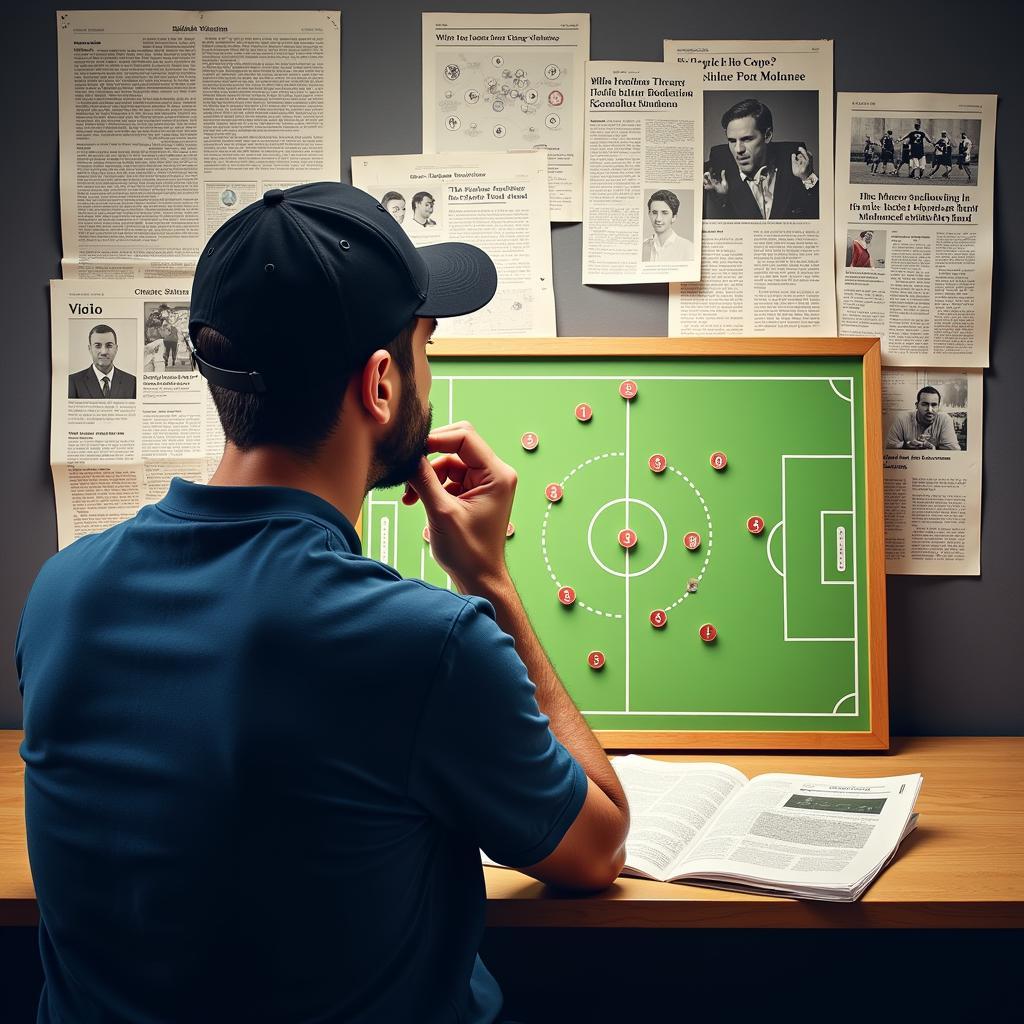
{"type": "Point", "coordinates": [425, 483]}
{"type": "Point", "coordinates": [464, 441]}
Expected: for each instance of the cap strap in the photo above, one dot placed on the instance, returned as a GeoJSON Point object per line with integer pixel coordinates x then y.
{"type": "Point", "coordinates": [248, 382]}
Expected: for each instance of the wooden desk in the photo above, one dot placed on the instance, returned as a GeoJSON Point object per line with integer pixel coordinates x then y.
{"type": "Point", "coordinates": [962, 868]}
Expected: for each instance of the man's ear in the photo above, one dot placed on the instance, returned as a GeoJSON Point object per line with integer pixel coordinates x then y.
{"type": "Point", "coordinates": [768, 135]}
{"type": "Point", "coordinates": [377, 387]}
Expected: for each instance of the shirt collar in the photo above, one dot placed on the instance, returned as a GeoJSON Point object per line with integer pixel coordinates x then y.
{"type": "Point", "coordinates": [767, 168]}
{"type": "Point", "coordinates": [99, 376]}
{"type": "Point", "coordinates": [205, 501]}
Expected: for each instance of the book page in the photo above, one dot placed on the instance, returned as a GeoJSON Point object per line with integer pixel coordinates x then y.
{"type": "Point", "coordinates": [173, 121]}
{"type": "Point", "coordinates": [504, 82]}
{"type": "Point", "coordinates": [497, 201]}
{"type": "Point", "coordinates": [128, 412]}
{"type": "Point", "coordinates": [642, 178]}
{"type": "Point", "coordinates": [805, 831]}
{"type": "Point", "coordinates": [766, 260]}
{"type": "Point", "coordinates": [669, 804]}
{"type": "Point", "coordinates": [913, 231]}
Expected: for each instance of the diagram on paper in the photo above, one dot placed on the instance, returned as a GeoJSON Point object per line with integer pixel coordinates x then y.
{"type": "Point", "coordinates": [503, 99]}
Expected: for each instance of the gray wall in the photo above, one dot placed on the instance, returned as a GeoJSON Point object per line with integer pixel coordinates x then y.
{"type": "Point", "coordinates": [954, 644]}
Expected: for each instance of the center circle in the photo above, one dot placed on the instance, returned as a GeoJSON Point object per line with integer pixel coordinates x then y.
{"type": "Point", "coordinates": [629, 554]}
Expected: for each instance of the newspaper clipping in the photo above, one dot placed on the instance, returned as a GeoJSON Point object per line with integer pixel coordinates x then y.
{"type": "Point", "coordinates": [766, 262]}
{"type": "Point", "coordinates": [932, 470]}
{"type": "Point", "coordinates": [914, 224]}
{"type": "Point", "coordinates": [498, 201]}
{"type": "Point", "coordinates": [505, 82]}
{"type": "Point", "coordinates": [642, 197]}
{"type": "Point", "coordinates": [128, 411]}
{"type": "Point", "coordinates": [171, 121]}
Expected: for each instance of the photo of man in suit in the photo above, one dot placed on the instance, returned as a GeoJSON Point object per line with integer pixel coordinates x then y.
{"type": "Point", "coordinates": [102, 379]}
{"type": "Point", "coordinates": [751, 177]}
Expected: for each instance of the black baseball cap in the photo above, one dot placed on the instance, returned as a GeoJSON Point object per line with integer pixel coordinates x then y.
{"type": "Point", "coordinates": [317, 277]}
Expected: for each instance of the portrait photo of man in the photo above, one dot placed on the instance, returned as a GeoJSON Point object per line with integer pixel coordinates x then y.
{"type": "Point", "coordinates": [101, 379]}
{"type": "Point", "coordinates": [394, 203]}
{"type": "Point", "coordinates": [423, 210]}
{"type": "Point", "coordinates": [925, 426]}
{"type": "Point", "coordinates": [665, 245]}
{"type": "Point", "coordinates": [751, 176]}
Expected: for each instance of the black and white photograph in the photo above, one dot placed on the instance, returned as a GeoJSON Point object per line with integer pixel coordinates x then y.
{"type": "Point", "coordinates": [105, 352]}
{"type": "Point", "coordinates": [939, 150]}
{"type": "Point", "coordinates": [934, 417]}
{"type": "Point", "coordinates": [422, 213]}
{"type": "Point", "coordinates": [667, 225]}
{"type": "Point", "coordinates": [761, 155]}
{"type": "Point", "coordinates": [394, 202]}
{"type": "Point", "coordinates": [228, 198]}
{"type": "Point", "coordinates": [163, 347]}
{"type": "Point", "coordinates": [865, 248]}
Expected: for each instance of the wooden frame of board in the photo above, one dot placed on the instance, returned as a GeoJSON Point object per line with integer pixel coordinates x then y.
{"type": "Point", "coordinates": [876, 737]}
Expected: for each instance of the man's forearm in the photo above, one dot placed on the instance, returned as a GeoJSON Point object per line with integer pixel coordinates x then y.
{"type": "Point", "coordinates": [566, 721]}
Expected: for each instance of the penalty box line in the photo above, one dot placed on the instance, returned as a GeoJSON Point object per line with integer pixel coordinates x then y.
{"type": "Point", "coordinates": [784, 573]}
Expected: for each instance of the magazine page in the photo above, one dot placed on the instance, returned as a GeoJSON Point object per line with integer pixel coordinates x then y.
{"type": "Point", "coordinates": [128, 412]}
{"type": "Point", "coordinates": [804, 832]}
{"type": "Point", "coordinates": [505, 82]}
{"type": "Point", "coordinates": [913, 229]}
{"type": "Point", "coordinates": [498, 201]}
{"type": "Point", "coordinates": [932, 440]}
{"type": "Point", "coordinates": [669, 803]}
{"type": "Point", "coordinates": [642, 194]}
{"type": "Point", "coordinates": [171, 121]}
{"type": "Point", "coordinates": [766, 261]}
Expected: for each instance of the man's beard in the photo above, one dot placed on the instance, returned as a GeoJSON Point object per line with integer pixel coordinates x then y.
{"type": "Point", "coordinates": [398, 455]}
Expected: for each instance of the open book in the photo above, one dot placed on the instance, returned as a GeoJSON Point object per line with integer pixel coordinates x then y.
{"type": "Point", "coordinates": [811, 836]}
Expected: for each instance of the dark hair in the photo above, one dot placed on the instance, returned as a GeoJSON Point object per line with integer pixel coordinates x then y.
{"type": "Point", "coordinates": [419, 197]}
{"type": "Point", "coordinates": [103, 329]}
{"type": "Point", "coordinates": [664, 196]}
{"type": "Point", "coordinates": [300, 419]}
{"type": "Point", "coordinates": [930, 390]}
{"type": "Point", "coordinates": [750, 108]}
{"type": "Point", "coordinates": [388, 196]}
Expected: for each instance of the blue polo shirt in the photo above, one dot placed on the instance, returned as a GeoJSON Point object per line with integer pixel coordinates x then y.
{"type": "Point", "coordinates": [259, 767]}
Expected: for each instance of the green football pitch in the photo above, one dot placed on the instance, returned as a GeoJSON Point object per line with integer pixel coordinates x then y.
{"type": "Point", "coordinates": [786, 604]}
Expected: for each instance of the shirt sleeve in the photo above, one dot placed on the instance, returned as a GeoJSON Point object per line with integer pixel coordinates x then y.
{"type": "Point", "coordinates": [947, 441]}
{"type": "Point", "coordinates": [895, 437]}
{"type": "Point", "coordinates": [485, 761]}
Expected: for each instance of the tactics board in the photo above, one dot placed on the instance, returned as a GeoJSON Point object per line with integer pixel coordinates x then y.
{"type": "Point", "coordinates": [690, 534]}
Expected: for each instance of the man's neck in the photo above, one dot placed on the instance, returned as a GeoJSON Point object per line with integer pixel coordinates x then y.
{"type": "Point", "coordinates": [276, 466]}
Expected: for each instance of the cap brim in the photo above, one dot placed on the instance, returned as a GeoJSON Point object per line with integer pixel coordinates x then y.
{"type": "Point", "coordinates": [462, 279]}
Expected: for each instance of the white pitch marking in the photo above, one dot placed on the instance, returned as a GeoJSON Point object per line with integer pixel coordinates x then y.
{"type": "Point", "coordinates": [731, 714]}
{"type": "Point", "coordinates": [768, 549]}
{"type": "Point", "coordinates": [832, 384]}
{"type": "Point", "coordinates": [627, 574]}
{"type": "Point", "coordinates": [843, 700]}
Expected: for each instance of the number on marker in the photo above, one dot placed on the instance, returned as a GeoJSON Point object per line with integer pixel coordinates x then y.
{"type": "Point", "coordinates": [595, 659]}
{"type": "Point", "coordinates": [510, 529]}
{"type": "Point", "coordinates": [426, 534]}
{"type": "Point", "coordinates": [658, 618]}
{"type": "Point", "coordinates": [708, 632]}
{"type": "Point", "coordinates": [628, 390]}
{"type": "Point", "coordinates": [529, 441]}
{"type": "Point", "coordinates": [583, 412]}
{"type": "Point", "coordinates": [719, 460]}
{"type": "Point", "coordinates": [691, 541]}
{"type": "Point", "coordinates": [554, 492]}
{"type": "Point", "coordinates": [627, 538]}
{"type": "Point", "coordinates": [567, 596]}
{"type": "Point", "coordinates": [755, 524]}
{"type": "Point", "coordinates": [657, 463]}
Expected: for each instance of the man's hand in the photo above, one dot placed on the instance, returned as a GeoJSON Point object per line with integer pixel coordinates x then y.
{"type": "Point", "coordinates": [467, 494]}
{"type": "Point", "coordinates": [802, 161]}
{"type": "Point", "coordinates": [713, 184]}
{"type": "Point", "coordinates": [919, 443]}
